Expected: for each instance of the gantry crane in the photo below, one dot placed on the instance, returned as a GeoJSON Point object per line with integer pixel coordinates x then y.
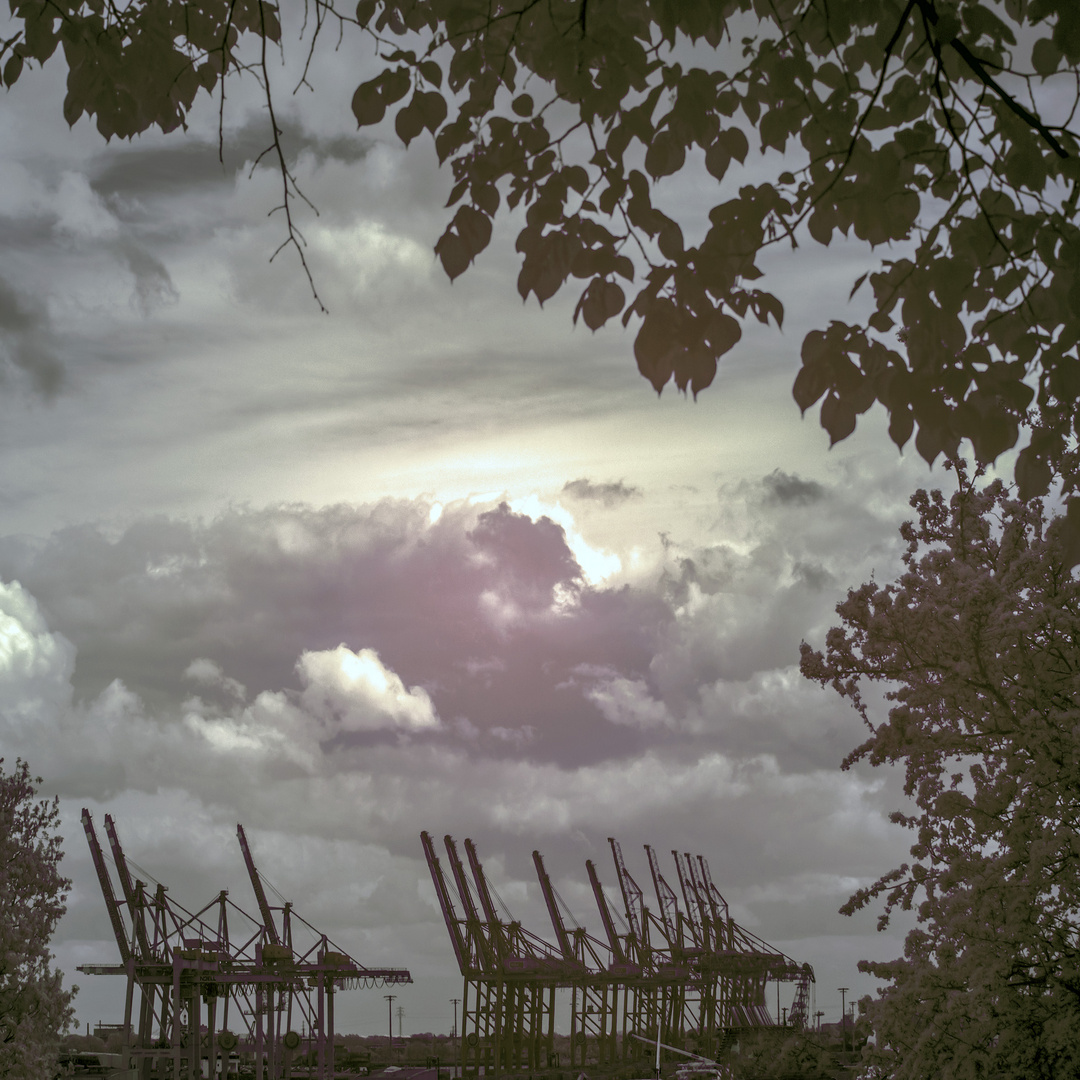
{"type": "Point", "coordinates": [684, 976]}
{"type": "Point", "coordinates": [190, 964]}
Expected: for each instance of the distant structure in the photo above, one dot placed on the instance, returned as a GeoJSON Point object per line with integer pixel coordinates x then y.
{"type": "Point", "coordinates": [688, 975]}
{"type": "Point", "coordinates": [206, 991]}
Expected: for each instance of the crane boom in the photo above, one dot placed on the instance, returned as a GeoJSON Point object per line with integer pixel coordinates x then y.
{"type": "Point", "coordinates": [717, 905]}
{"type": "Point", "coordinates": [265, 913]}
{"type": "Point", "coordinates": [669, 903]}
{"type": "Point", "coordinates": [553, 908]}
{"type": "Point", "coordinates": [617, 953]}
{"type": "Point", "coordinates": [106, 886]}
{"type": "Point", "coordinates": [633, 898]}
{"type": "Point", "coordinates": [473, 922]}
{"type": "Point", "coordinates": [696, 911]}
{"type": "Point", "coordinates": [442, 891]}
{"type": "Point", "coordinates": [482, 889]}
{"type": "Point", "coordinates": [133, 900]}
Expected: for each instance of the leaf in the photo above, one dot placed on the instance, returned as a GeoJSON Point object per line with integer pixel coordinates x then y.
{"type": "Point", "coordinates": [657, 342]}
{"type": "Point", "coordinates": [717, 159]}
{"type": "Point", "coordinates": [365, 11]}
{"type": "Point", "coordinates": [601, 300]}
{"type": "Point", "coordinates": [858, 284]}
{"type": "Point", "coordinates": [722, 332]}
{"type": "Point", "coordinates": [821, 224]}
{"type": "Point", "coordinates": [736, 142]}
{"type": "Point", "coordinates": [522, 105]}
{"type": "Point", "coordinates": [13, 69]}
{"type": "Point", "coordinates": [367, 104]}
{"type": "Point", "coordinates": [395, 85]}
{"type": "Point", "coordinates": [431, 73]}
{"type": "Point", "coordinates": [1045, 57]}
{"type": "Point", "coordinates": [837, 418]}
{"type": "Point", "coordinates": [670, 241]}
{"type": "Point", "coordinates": [409, 122]}
{"type": "Point", "coordinates": [474, 228]}
{"type": "Point", "coordinates": [577, 178]}
{"type": "Point", "coordinates": [486, 197]}
{"type": "Point", "coordinates": [901, 425]}
{"type": "Point", "coordinates": [431, 109]}
{"type": "Point", "coordinates": [453, 254]}
{"type": "Point", "coordinates": [1033, 474]}
{"type": "Point", "coordinates": [666, 154]}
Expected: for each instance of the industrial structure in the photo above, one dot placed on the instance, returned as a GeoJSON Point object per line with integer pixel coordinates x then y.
{"type": "Point", "coordinates": [685, 975]}
{"type": "Point", "coordinates": [215, 984]}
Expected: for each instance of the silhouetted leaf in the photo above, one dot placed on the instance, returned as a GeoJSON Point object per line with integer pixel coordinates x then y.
{"type": "Point", "coordinates": [474, 228]}
{"type": "Point", "coordinates": [367, 104]}
{"type": "Point", "coordinates": [1045, 56]}
{"type": "Point", "coordinates": [453, 254]}
{"type": "Point", "coordinates": [431, 72]}
{"type": "Point", "coordinates": [395, 85]}
{"type": "Point", "coordinates": [837, 418]}
{"type": "Point", "coordinates": [409, 122]}
{"type": "Point", "coordinates": [666, 154]}
{"type": "Point", "coordinates": [602, 300]}
{"type": "Point", "coordinates": [431, 109]}
{"type": "Point", "coordinates": [12, 69]}
{"type": "Point", "coordinates": [1033, 475]}
{"type": "Point", "coordinates": [658, 342]}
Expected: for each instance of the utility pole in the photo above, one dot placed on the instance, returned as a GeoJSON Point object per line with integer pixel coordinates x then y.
{"type": "Point", "coordinates": [453, 1030]}
{"type": "Point", "coordinates": [817, 1016]}
{"type": "Point", "coordinates": [785, 1017]}
{"type": "Point", "coordinates": [843, 1013]}
{"type": "Point", "coordinates": [390, 1014]}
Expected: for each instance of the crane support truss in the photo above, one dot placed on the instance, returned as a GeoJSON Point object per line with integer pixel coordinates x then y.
{"type": "Point", "coordinates": [218, 982]}
{"type": "Point", "coordinates": [691, 977]}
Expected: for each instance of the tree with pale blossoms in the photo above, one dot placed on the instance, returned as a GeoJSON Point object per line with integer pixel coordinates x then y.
{"type": "Point", "coordinates": [977, 646]}
{"type": "Point", "coordinates": [34, 1006]}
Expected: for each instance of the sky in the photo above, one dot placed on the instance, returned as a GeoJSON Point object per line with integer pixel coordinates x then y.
{"type": "Point", "coordinates": [435, 560]}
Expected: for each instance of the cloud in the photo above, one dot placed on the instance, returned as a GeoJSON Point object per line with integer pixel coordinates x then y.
{"type": "Point", "coordinates": [81, 212]}
{"type": "Point", "coordinates": [790, 490]}
{"type": "Point", "coordinates": [609, 494]}
{"type": "Point", "coordinates": [26, 341]}
{"type": "Point", "coordinates": [354, 691]}
{"type": "Point", "coordinates": [154, 287]}
{"type": "Point", "coordinates": [628, 702]}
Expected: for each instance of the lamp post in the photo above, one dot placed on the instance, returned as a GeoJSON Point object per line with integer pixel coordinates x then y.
{"type": "Point", "coordinates": [390, 1030]}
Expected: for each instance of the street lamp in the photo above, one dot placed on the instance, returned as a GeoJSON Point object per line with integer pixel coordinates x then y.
{"type": "Point", "coordinates": [390, 1013]}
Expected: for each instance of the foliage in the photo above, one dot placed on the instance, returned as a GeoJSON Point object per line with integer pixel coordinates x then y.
{"type": "Point", "coordinates": [782, 1054]}
{"type": "Point", "coordinates": [938, 129]}
{"type": "Point", "coordinates": [977, 643]}
{"type": "Point", "coordinates": [34, 1007]}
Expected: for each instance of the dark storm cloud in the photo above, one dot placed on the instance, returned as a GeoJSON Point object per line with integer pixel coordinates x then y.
{"type": "Point", "coordinates": [609, 494]}
{"type": "Point", "coordinates": [25, 342]}
{"type": "Point", "coordinates": [153, 285]}
{"type": "Point", "coordinates": [187, 165]}
{"type": "Point", "coordinates": [486, 611]}
{"type": "Point", "coordinates": [789, 490]}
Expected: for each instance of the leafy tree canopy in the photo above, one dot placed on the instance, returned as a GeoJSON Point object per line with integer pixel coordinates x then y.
{"type": "Point", "coordinates": [935, 130]}
{"type": "Point", "coordinates": [977, 645]}
{"type": "Point", "coordinates": [34, 1007]}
